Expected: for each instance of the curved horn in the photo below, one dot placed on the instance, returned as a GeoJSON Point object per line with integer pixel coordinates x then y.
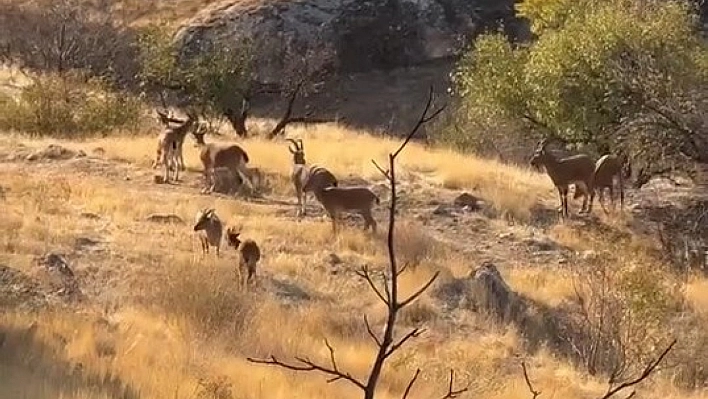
{"type": "Point", "coordinates": [297, 148]}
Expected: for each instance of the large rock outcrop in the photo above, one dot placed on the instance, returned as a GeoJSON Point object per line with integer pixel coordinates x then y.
{"type": "Point", "coordinates": [345, 35]}
{"type": "Point", "coordinates": [359, 50]}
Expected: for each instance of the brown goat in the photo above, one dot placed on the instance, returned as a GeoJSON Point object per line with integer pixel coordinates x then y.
{"type": "Point", "coordinates": [214, 156]}
{"type": "Point", "coordinates": [307, 178]}
{"type": "Point", "coordinates": [354, 199]}
{"type": "Point", "coordinates": [249, 255]}
{"type": "Point", "coordinates": [209, 229]}
{"type": "Point", "coordinates": [169, 145]}
{"type": "Point", "coordinates": [576, 169]}
{"type": "Point", "coordinates": [607, 168]}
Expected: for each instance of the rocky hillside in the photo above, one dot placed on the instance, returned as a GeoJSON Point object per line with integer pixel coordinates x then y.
{"type": "Point", "coordinates": [344, 41]}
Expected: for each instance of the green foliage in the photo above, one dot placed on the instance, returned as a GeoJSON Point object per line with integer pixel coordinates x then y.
{"type": "Point", "coordinates": [215, 80]}
{"type": "Point", "coordinates": [157, 57]}
{"type": "Point", "coordinates": [594, 70]}
{"type": "Point", "coordinates": [68, 106]}
{"type": "Point", "coordinates": [547, 14]}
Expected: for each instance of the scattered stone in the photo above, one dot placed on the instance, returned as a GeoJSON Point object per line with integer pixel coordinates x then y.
{"type": "Point", "coordinates": [492, 294]}
{"type": "Point", "coordinates": [90, 215]}
{"type": "Point", "coordinates": [541, 244]}
{"type": "Point", "coordinates": [334, 259]}
{"type": "Point", "coordinates": [55, 263]}
{"type": "Point", "coordinates": [164, 218]}
{"type": "Point", "coordinates": [98, 151]}
{"type": "Point", "coordinates": [82, 243]}
{"type": "Point", "coordinates": [589, 255]}
{"type": "Point", "coordinates": [80, 154]}
{"type": "Point", "coordinates": [443, 210]}
{"type": "Point", "coordinates": [158, 179]}
{"type": "Point", "coordinates": [466, 200]}
{"type": "Point", "coordinates": [506, 236]}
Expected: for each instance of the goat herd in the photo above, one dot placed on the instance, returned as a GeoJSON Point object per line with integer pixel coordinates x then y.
{"type": "Point", "coordinates": [231, 160]}
{"type": "Point", "coordinates": [587, 176]}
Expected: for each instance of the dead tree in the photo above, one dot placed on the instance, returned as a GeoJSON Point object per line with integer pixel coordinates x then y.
{"type": "Point", "coordinates": [288, 117]}
{"type": "Point", "coordinates": [387, 343]}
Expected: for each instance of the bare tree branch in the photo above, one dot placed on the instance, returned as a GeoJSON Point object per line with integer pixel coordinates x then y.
{"type": "Point", "coordinates": [534, 392]}
{"type": "Point", "coordinates": [412, 334]}
{"type": "Point", "coordinates": [364, 273]}
{"type": "Point", "coordinates": [382, 170]}
{"type": "Point", "coordinates": [288, 118]}
{"type": "Point", "coordinates": [611, 391]}
{"type": "Point", "coordinates": [419, 292]}
{"type": "Point", "coordinates": [308, 365]}
{"type": "Point", "coordinates": [371, 332]}
{"type": "Point", "coordinates": [410, 384]}
{"type": "Point", "coordinates": [451, 391]}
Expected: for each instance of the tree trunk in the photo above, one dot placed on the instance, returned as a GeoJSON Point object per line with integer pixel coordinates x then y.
{"type": "Point", "coordinates": [238, 119]}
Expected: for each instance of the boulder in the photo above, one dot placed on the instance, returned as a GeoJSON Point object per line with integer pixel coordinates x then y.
{"type": "Point", "coordinates": [345, 35]}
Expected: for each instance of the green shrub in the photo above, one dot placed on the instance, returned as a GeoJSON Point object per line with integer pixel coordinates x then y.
{"type": "Point", "coordinates": [68, 106]}
{"type": "Point", "coordinates": [609, 75]}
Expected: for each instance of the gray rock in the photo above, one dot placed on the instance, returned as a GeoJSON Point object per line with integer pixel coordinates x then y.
{"type": "Point", "coordinates": [541, 244]}
{"type": "Point", "coordinates": [443, 210]}
{"type": "Point", "coordinates": [334, 259]}
{"type": "Point", "coordinates": [467, 201]}
{"type": "Point", "coordinates": [344, 35]}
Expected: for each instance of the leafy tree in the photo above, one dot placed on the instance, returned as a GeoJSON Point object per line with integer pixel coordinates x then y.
{"type": "Point", "coordinates": [624, 75]}
{"type": "Point", "coordinates": [216, 82]}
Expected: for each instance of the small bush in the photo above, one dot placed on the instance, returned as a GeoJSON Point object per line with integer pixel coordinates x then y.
{"type": "Point", "coordinates": [623, 313]}
{"type": "Point", "coordinates": [209, 298]}
{"type": "Point", "coordinates": [68, 106]}
{"type": "Point", "coordinates": [413, 245]}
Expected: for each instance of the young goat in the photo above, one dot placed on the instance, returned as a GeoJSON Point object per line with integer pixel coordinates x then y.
{"type": "Point", "coordinates": [576, 169]}
{"type": "Point", "coordinates": [354, 199]}
{"type": "Point", "coordinates": [607, 168]}
{"type": "Point", "coordinates": [209, 228]}
{"type": "Point", "coordinates": [213, 156]}
{"type": "Point", "coordinates": [249, 255]}
{"type": "Point", "coordinates": [307, 178]}
{"type": "Point", "coordinates": [170, 142]}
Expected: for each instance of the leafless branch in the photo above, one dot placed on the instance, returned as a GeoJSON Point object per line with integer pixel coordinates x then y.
{"type": "Point", "coordinates": [288, 118]}
{"type": "Point", "coordinates": [308, 365]}
{"type": "Point", "coordinates": [410, 384]}
{"type": "Point", "coordinates": [412, 334]}
{"type": "Point", "coordinates": [366, 275]}
{"type": "Point", "coordinates": [382, 170]}
{"type": "Point", "coordinates": [611, 391]}
{"type": "Point", "coordinates": [451, 391]}
{"type": "Point", "coordinates": [371, 331]}
{"type": "Point", "coordinates": [419, 292]}
{"type": "Point", "coordinates": [533, 391]}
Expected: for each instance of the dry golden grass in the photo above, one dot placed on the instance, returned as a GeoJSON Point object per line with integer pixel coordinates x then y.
{"type": "Point", "coordinates": [512, 191]}
{"type": "Point", "coordinates": [160, 317]}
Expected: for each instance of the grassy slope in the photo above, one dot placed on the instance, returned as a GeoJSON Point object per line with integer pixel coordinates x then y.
{"type": "Point", "coordinates": [158, 317]}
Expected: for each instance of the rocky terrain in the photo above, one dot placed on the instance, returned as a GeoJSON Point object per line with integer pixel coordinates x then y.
{"type": "Point", "coordinates": [351, 49]}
